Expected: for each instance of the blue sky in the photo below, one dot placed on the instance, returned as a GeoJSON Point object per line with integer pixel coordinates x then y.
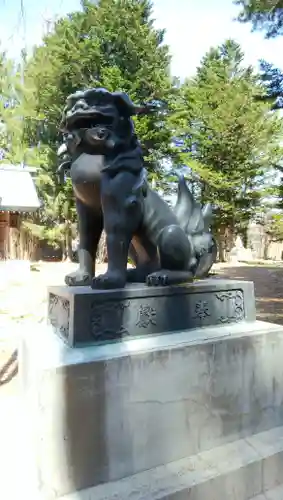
{"type": "Point", "coordinates": [192, 27]}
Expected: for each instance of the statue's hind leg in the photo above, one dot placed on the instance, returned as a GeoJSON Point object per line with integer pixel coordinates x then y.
{"type": "Point", "coordinates": [177, 259]}
{"type": "Point", "coordinates": [206, 261]}
{"type": "Point", "coordinates": [143, 254]}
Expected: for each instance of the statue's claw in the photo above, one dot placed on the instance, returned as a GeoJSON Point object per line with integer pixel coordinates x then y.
{"type": "Point", "coordinates": [78, 278]}
{"type": "Point", "coordinates": [108, 281]}
{"type": "Point", "coordinates": [158, 278]}
{"type": "Point", "coordinates": [166, 278]}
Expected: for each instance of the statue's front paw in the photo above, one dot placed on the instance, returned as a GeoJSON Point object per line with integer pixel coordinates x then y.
{"type": "Point", "coordinates": [108, 281]}
{"type": "Point", "coordinates": [78, 278]}
{"type": "Point", "coordinates": [158, 278]}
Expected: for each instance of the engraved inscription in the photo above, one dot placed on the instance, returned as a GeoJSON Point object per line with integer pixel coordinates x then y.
{"type": "Point", "coordinates": [233, 302]}
{"type": "Point", "coordinates": [201, 310]}
{"type": "Point", "coordinates": [107, 320]}
{"type": "Point", "coordinates": [59, 314]}
{"type": "Point", "coordinates": [146, 316]}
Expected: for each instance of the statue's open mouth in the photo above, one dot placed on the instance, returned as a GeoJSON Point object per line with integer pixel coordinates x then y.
{"type": "Point", "coordinates": [88, 118]}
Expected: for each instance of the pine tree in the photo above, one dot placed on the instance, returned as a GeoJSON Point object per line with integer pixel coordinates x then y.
{"type": "Point", "coordinates": [114, 45]}
{"type": "Point", "coordinates": [265, 15]}
{"type": "Point", "coordinates": [230, 139]}
{"type": "Point", "coordinates": [111, 44]}
{"type": "Point", "coordinates": [15, 113]}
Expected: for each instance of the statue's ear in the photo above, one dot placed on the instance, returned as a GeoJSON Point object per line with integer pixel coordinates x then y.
{"type": "Point", "coordinates": [124, 104]}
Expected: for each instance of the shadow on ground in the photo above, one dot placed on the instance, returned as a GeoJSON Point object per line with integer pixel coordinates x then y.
{"type": "Point", "coordinates": [268, 281]}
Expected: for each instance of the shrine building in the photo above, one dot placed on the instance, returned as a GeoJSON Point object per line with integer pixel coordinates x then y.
{"type": "Point", "coordinates": [18, 198]}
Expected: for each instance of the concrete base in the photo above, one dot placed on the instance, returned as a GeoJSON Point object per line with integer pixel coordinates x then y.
{"type": "Point", "coordinates": [101, 414]}
{"type": "Point", "coordinates": [250, 468]}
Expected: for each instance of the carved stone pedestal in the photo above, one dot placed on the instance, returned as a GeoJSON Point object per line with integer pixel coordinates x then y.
{"type": "Point", "coordinates": [82, 316]}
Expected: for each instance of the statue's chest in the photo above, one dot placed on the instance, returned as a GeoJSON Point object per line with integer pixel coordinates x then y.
{"type": "Point", "coordinates": [86, 176]}
{"type": "Point", "coordinates": [87, 168]}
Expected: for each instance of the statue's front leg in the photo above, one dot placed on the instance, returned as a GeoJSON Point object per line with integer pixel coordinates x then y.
{"type": "Point", "coordinates": [90, 229]}
{"type": "Point", "coordinates": [122, 211]}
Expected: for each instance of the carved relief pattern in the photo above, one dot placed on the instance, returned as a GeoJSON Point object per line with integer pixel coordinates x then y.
{"type": "Point", "coordinates": [146, 316]}
{"type": "Point", "coordinates": [201, 310]}
{"type": "Point", "coordinates": [235, 309]}
{"type": "Point", "coordinates": [59, 314]}
{"type": "Point", "coordinates": [107, 320]}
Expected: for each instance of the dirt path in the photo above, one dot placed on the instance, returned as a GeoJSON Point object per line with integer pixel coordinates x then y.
{"type": "Point", "coordinates": [268, 281]}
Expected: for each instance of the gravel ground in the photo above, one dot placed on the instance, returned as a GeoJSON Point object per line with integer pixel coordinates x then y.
{"type": "Point", "coordinates": [268, 281]}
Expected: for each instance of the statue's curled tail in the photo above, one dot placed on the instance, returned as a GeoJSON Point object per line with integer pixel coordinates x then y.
{"type": "Point", "coordinates": [191, 216]}
{"type": "Point", "coordinates": [195, 221]}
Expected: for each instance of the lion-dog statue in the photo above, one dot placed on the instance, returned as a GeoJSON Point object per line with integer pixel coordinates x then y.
{"type": "Point", "coordinates": [102, 152]}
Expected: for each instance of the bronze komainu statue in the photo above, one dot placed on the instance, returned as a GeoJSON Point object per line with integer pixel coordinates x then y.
{"type": "Point", "coordinates": [168, 246]}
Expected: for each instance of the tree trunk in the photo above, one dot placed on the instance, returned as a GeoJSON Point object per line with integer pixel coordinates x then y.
{"type": "Point", "coordinates": [101, 256]}
{"type": "Point", "coordinates": [245, 237]}
{"type": "Point", "coordinates": [266, 243]}
{"type": "Point", "coordinates": [243, 233]}
{"type": "Point", "coordinates": [221, 242]}
{"type": "Point", "coordinates": [64, 250]}
{"type": "Point", "coordinates": [69, 250]}
{"type": "Point", "coordinates": [66, 244]}
{"type": "Point", "coordinates": [225, 241]}
{"type": "Point", "coordinates": [221, 250]}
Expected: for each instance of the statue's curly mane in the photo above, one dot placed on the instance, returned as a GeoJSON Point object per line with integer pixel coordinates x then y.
{"type": "Point", "coordinates": [97, 98]}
